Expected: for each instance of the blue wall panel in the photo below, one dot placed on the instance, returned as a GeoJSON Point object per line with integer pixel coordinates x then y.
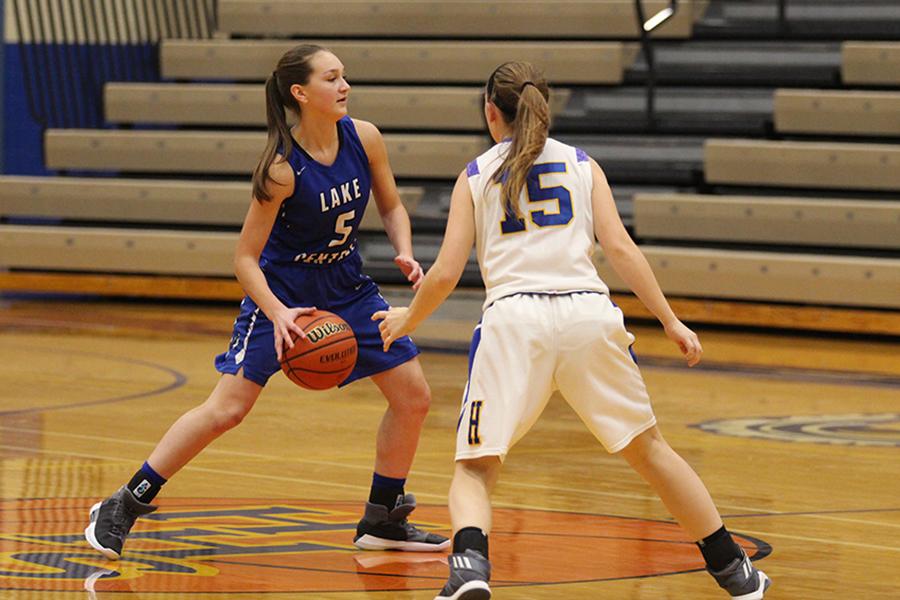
{"type": "Point", "coordinates": [66, 91]}
{"type": "Point", "coordinates": [23, 146]}
{"type": "Point", "coordinates": [2, 87]}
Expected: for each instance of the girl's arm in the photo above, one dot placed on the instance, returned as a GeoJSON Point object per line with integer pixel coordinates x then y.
{"type": "Point", "coordinates": [254, 235]}
{"type": "Point", "coordinates": [387, 199]}
{"type": "Point", "coordinates": [443, 276]}
{"type": "Point", "coordinates": [630, 264]}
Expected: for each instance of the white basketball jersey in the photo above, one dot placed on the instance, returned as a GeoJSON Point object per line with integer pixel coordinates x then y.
{"type": "Point", "coordinates": [549, 250]}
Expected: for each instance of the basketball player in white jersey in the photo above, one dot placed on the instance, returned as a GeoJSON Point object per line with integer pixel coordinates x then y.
{"type": "Point", "coordinates": [533, 207]}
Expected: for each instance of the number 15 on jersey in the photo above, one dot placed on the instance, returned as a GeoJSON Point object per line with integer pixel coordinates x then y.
{"type": "Point", "coordinates": [538, 193]}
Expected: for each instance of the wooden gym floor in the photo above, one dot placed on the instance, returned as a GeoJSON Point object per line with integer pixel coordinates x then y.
{"type": "Point", "coordinates": [796, 437]}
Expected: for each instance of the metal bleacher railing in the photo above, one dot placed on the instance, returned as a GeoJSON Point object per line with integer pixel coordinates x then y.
{"type": "Point", "coordinates": [645, 28]}
{"type": "Point", "coordinates": [70, 48]}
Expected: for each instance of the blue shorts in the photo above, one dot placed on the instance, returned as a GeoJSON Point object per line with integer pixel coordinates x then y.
{"type": "Point", "coordinates": [341, 289]}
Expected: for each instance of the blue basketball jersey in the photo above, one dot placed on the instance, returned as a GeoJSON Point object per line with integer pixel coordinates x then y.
{"type": "Point", "coordinates": [318, 223]}
{"type": "Point", "coordinates": [311, 259]}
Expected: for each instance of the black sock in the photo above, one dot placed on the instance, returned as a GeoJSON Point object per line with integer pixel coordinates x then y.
{"type": "Point", "coordinates": [146, 483]}
{"type": "Point", "coordinates": [718, 549]}
{"type": "Point", "coordinates": [470, 538]}
{"type": "Point", "coordinates": [387, 491]}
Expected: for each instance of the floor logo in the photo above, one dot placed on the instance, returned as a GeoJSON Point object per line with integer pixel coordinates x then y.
{"type": "Point", "coordinates": [257, 546]}
{"type": "Point", "coordinates": [856, 429]}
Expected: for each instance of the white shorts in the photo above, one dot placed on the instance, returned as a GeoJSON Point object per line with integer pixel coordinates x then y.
{"type": "Point", "coordinates": [529, 345]}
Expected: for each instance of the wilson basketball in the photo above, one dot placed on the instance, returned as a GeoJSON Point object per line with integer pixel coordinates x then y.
{"type": "Point", "coordinates": [325, 357]}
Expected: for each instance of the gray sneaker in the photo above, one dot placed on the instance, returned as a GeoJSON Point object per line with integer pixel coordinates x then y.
{"type": "Point", "coordinates": [469, 576]}
{"type": "Point", "coordinates": [111, 520]}
{"type": "Point", "coordinates": [383, 530]}
{"type": "Point", "coordinates": [742, 580]}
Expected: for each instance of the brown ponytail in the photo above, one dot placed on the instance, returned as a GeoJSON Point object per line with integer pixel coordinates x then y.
{"type": "Point", "coordinates": [293, 68]}
{"type": "Point", "coordinates": [520, 91]}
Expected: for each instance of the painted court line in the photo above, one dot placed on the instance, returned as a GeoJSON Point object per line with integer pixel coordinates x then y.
{"type": "Point", "coordinates": [444, 476]}
{"type": "Point", "coordinates": [442, 497]}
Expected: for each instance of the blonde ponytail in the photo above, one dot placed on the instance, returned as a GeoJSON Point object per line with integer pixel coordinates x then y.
{"type": "Point", "coordinates": [521, 93]}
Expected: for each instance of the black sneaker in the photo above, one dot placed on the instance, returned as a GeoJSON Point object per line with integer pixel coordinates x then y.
{"type": "Point", "coordinates": [469, 576]}
{"type": "Point", "coordinates": [383, 530]}
{"type": "Point", "coordinates": [742, 580]}
{"type": "Point", "coordinates": [111, 520]}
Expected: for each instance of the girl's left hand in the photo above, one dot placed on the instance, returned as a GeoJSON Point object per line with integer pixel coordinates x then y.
{"type": "Point", "coordinates": [687, 341]}
{"type": "Point", "coordinates": [393, 324]}
{"type": "Point", "coordinates": [411, 268]}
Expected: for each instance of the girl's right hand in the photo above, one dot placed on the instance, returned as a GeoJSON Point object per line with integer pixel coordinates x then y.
{"type": "Point", "coordinates": [283, 324]}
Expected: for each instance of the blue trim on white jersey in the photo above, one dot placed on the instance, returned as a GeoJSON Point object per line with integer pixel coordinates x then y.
{"type": "Point", "coordinates": [630, 347]}
{"type": "Point", "coordinates": [473, 349]}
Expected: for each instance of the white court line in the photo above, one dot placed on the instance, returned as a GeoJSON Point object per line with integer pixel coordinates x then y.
{"type": "Point", "coordinates": [436, 496]}
{"type": "Point", "coordinates": [201, 469]}
{"type": "Point", "coordinates": [445, 476]}
{"type": "Point", "coordinates": [818, 540]}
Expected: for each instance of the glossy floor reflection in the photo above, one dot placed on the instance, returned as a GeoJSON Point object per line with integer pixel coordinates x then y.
{"type": "Point", "coordinates": [797, 439]}
{"type": "Point", "coordinates": [255, 545]}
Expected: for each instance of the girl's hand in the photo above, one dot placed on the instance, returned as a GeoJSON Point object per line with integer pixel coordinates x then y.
{"type": "Point", "coordinates": [283, 324]}
{"type": "Point", "coordinates": [410, 268]}
{"type": "Point", "coordinates": [393, 324]}
{"type": "Point", "coordinates": [687, 341]}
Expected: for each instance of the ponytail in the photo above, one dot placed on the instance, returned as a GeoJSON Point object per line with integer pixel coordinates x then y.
{"type": "Point", "coordinates": [294, 67]}
{"type": "Point", "coordinates": [521, 93]}
{"type": "Point", "coordinates": [279, 134]}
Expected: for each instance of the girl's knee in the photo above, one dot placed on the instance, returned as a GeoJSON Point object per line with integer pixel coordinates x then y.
{"type": "Point", "coordinates": [227, 417]}
{"type": "Point", "coordinates": [644, 447]}
{"type": "Point", "coordinates": [415, 401]}
{"type": "Point", "coordinates": [483, 467]}
{"type": "Point", "coordinates": [226, 409]}
{"type": "Point", "coordinates": [231, 418]}
{"type": "Point", "coordinates": [422, 398]}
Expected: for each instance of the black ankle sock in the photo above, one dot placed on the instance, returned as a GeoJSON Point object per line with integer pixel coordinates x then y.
{"type": "Point", "coordinates": [386, 491]}
{"type": "Point", "coordinates": [718, 549]}
{"type": "Point", "coordinates": [470, 538]}
{"type": "Point", "coordinates": [146, 483]}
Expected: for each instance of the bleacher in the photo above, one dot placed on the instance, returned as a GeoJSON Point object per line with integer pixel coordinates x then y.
{"type": "Point", "coordinates": [768, 177]}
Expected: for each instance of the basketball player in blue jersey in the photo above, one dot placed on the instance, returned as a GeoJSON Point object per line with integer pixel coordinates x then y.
{"type": "Point", "coordinates": [533, 207]}
{"type": "Point", "coordinates": [297, 252]}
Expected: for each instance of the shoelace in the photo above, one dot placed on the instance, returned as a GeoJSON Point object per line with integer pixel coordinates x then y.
{"type": "Point", "coordinates": [121, 516]}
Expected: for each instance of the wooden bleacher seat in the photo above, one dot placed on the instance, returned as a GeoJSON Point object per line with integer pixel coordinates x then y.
{"type": "Point", "coordinates": [390, 107]}
{"type": "Point", "coordinates": [820, 222]}
{"type": "Point", "coordinates": [870, 63]}
{"type": "Point", "coordinates": [391, 61]}
{"type": "Point", "coordinates": [436, 18]}
{"type": "Point", "coordinates": [95, 249]}
{"type": "Point", "coordinates": [420, 156]}
{"type": "Point", "coordinates": [124, 200]}
{"type": "Point", "coordinates": [802, 164]}
{"type": "Point", "coordinates": [182, 202]}
{"type": "Point", "coordinates": [841, 112]}
{"type": "Point", "coordinates": [769, 276]}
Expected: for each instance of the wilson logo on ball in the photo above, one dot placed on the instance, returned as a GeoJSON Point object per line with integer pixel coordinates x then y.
{"type": "Point", "coordinates": [325, 330]}
{"type": "Point", "coordinates": [325, 356]}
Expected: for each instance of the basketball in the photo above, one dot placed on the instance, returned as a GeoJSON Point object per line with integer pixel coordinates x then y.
{"type": "Point", "coordinates": [325, 357]}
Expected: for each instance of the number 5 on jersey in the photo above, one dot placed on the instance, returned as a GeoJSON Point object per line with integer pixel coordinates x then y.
{"type": "Point", "coordinates": [342, 228]}
{"type": "Point", "coordinates": [539, 193]}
